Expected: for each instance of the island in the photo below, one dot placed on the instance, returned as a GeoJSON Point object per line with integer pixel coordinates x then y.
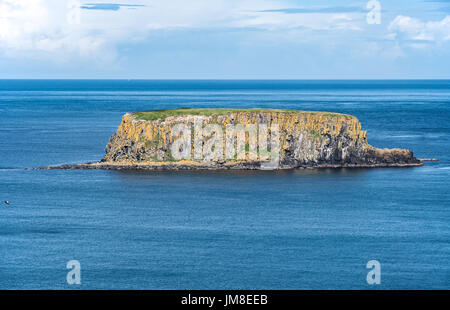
{"type": "Point", "coordinates": [246, 139]}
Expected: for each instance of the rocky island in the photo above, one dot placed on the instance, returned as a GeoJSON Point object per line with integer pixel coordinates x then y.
{"type": "Point", "coordinates": [184, 139]}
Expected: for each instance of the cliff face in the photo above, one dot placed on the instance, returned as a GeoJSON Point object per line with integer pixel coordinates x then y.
{"type": "Point", "coordinates": [292, 139]}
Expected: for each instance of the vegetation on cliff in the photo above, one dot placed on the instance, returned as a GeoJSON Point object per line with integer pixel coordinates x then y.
{"type": "Point", "coordinates": [163, 114]}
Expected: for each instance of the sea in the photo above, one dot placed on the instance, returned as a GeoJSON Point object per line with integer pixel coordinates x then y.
{"type": "Point", "coordinates": [189, 230]}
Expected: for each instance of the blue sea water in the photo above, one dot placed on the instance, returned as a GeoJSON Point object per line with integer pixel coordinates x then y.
{"type": "Point", "coordinates": [301, 229]}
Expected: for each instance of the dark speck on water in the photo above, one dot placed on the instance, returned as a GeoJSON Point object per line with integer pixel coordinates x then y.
{"type": "Point", "coordinates": [300, 229]}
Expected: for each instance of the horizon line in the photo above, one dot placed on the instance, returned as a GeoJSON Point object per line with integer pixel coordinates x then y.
{"type": "Point", "coordinates": [225, 79]}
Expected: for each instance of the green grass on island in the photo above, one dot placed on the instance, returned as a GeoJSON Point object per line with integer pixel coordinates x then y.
{"type": "Point", "coordinates": [162, 114]}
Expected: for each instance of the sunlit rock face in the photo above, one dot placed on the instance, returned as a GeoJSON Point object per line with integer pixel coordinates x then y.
{"type": "Point", "coordinates": [211, 137]}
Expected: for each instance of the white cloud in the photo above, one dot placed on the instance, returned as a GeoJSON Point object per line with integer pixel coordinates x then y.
{"type": "Point", "coordinates": [44, 26]}
{"type": "Point", "coordinates": [49, 26]}
{"type": "Point", "coordinates": [280, 20]}
{"type": "Point", "coordinates": [408, 28]}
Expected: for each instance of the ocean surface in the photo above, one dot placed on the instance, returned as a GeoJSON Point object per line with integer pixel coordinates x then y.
{"type": "Point", "coordinates": [301, 229]}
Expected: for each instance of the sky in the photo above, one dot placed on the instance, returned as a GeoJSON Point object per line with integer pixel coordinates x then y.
{"type": "Point", "coordinates": [225, 39]}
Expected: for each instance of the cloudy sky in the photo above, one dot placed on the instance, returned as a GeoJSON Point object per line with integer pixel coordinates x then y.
{"type": "Point", "coordinates": [279, 39]}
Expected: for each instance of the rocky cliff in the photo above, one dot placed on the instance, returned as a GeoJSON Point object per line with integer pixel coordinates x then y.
{"type": "Point", "coordinates": [244, 139]}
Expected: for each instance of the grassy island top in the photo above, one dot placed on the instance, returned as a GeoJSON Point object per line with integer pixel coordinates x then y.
{"type": "Point", "coordinates": [162, 114]}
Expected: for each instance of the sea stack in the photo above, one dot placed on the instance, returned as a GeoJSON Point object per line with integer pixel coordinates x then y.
{"type": "Point", "coordinates": [306, 139]}
{"type": "Point", "coordinates": [243, 139]}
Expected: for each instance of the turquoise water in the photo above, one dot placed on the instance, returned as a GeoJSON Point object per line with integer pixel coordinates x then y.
{"type": "Point", "coordinates": [305, 229]}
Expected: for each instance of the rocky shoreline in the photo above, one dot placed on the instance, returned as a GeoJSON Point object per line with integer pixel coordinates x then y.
{"type": "Point", "coordinates": [241, 166]}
